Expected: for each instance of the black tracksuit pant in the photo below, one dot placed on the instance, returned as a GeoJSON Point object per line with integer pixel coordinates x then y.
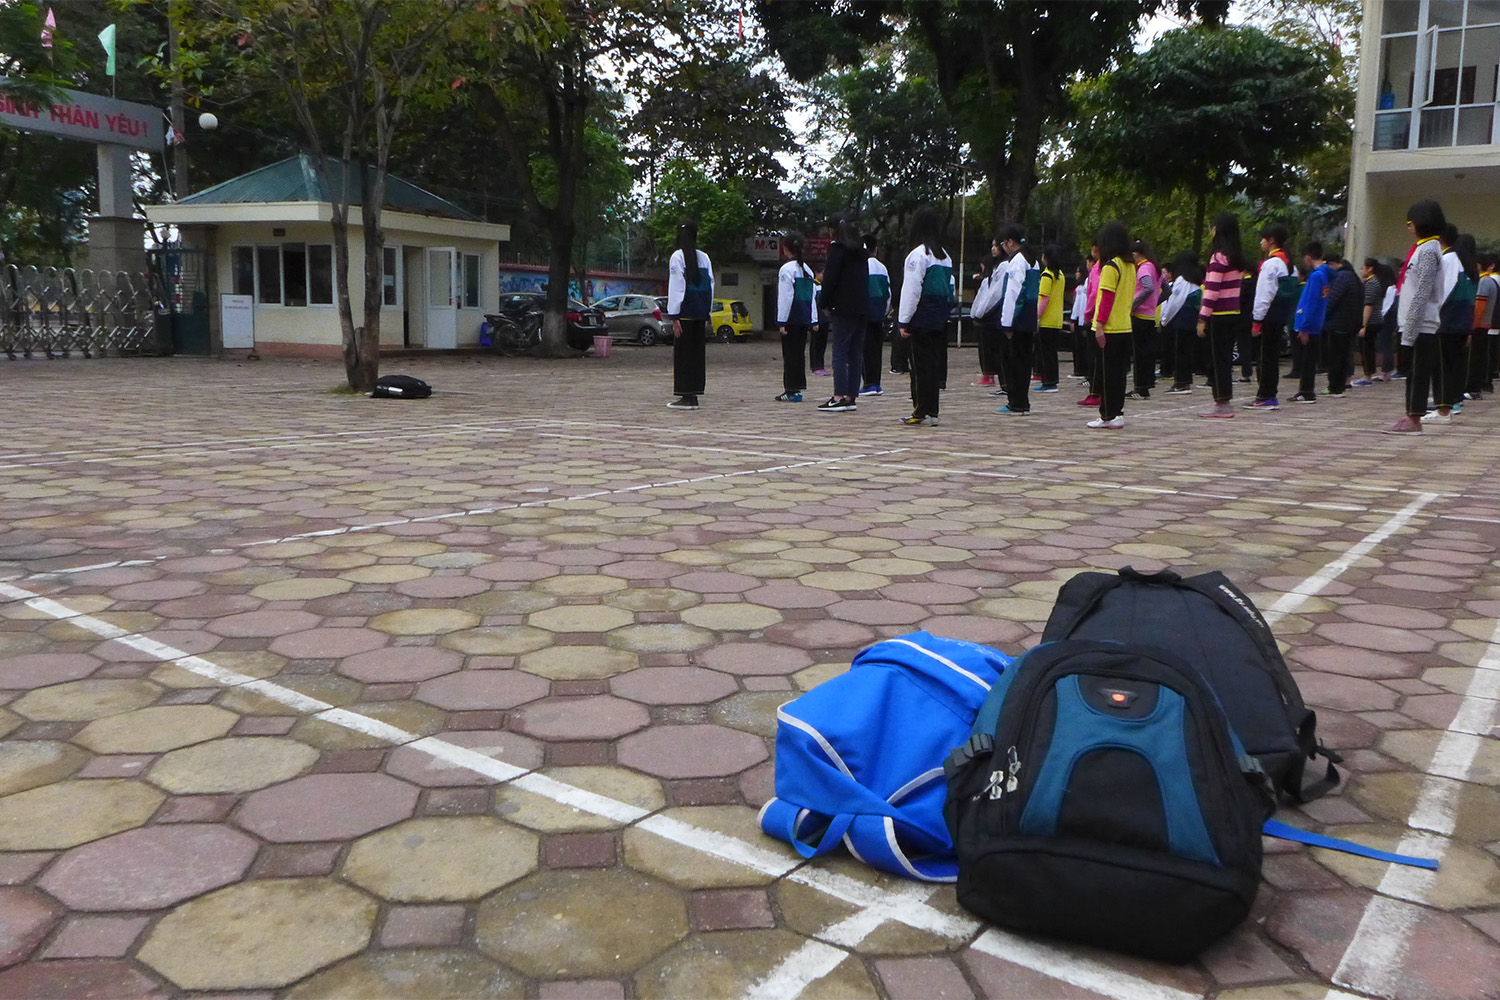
{"type": "Point", "coordinates": [689, 367]}
{"type": "Point", "coordinates": [929, 367]}
{"type": "Point", "coordinates": [1268, 360]}
{"type": "Point", "coordinates": [793, 350]}
{"type": "Point", "coordinates": [874, 351]}
{"type": "Point", "coordinates": [1222, 330]}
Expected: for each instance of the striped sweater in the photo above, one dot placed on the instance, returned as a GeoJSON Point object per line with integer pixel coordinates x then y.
{"type": "Point", "coordinates": [1221, 288]}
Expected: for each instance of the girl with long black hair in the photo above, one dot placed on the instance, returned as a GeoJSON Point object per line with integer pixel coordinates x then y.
{"type": "Point", "coordinates": [1111, 324]}
{"type": "Point", "coordinates": [690, 299]}
{"type": "Point", "coordinates": [926, 298]}
{"type": "Point", "coordinates": [1219, 316]}
{"type": "Point", "coordinates": [796, 314]}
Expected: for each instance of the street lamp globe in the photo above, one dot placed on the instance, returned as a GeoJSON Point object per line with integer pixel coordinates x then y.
{"type": "Point", "coordinates": [208, 121]}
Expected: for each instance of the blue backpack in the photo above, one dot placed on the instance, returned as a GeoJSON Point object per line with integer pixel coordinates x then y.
{"type": "Point", "coordinates": [859, 759]}
{"type": "Point", "coordinates": [1110, 803]}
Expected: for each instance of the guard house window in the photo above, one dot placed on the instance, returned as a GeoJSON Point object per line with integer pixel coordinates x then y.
{"type": "Point", "coordinates": [471, 281]}
{"type": "Point", "coordinates": [242, 270]}
{"type": "Point", "coordinates": [1439, 70]}
{"type": "Point", "coordinates": [320, 275]}
{"type": "Point", "coordinates": [390, 276]}
{"type": "Point", "coordinates": [268, 280]}
{"type": "Point", "coordinates": [294, 274]}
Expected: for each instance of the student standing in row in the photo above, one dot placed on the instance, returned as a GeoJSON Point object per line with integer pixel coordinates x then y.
{"type": "Point", "coordinates": [690, 299]}
{"type": "Point", "coordinates": [1078, 320]}
{"type": "Point", "coordinates": [1312, 315]}
{"type": "Point", "coordinates": [1275, 294]}
{"type": "Point", "coordinates": [1455, 321]}
{"type": "Point", "coordinates": [1143, 319]}
{"type": "Point", "coordinates": [1345, 306]}
{"type": "Point", "coordinates": [1179, 319]}
{"type": "Point", "coordinates": [879, 307]}
{"type": "Point", "coordinates": [844, 301]}
{"type": "Point", "coordinates": [1219, 316]}
{"type": "Point", "coordinates": [1371, 331]}
{"type": "Point", "coordinates": [1090, 303]}
{"type": "Point", "coordinates": [926, 298]}
{"type": "Point", "coordinates": [1111, 323]}
{"type": "Point", "coordinates": [1051, 290]}
{"type": "Point", "coordinates": [988, 338]}
{"type": "Point", "coordinates": [796, 314]}
{"type": "Point", "coordinates": [1018, 319]}
{"type": "Point", "coordinates": [1486, 350]}
{"type": "Point", "coordinates": [1419, 299]}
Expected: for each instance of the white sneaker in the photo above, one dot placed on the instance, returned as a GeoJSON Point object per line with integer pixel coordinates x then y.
{"type": "Point", "coordinates": [1108, 425]}
{"type": "Point", "coordinates": [1434, 417]}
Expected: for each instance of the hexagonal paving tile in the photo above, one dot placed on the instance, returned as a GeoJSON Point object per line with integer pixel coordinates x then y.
{"type": "Point", "coordinates": [235, 764]}
{"type": "Point", "coordinates": [327, 807]}
{"type": "Point", "coordinates": [577, 924]}
{"type": "Point", "coordinates": [754, 658]}
{"type": "Point", "coordinates": [153, 730]}
{"type": "Point", "coordinates": [70, 813]}
{"type": "Point", "coordinates": [497, 640]}
{"type": "Point", "coordinates": [483, 689]}
{"type": "Point", "coordinates": [562, 663]}
{"type": "Point", "coordinates": [26, 917]}
{"type": "Point", "coordinates": [400, 664]}
{"type": "Point", "coordinates": [84, 701]}
{"type": "Point", "coordinates": [151, 867]}
{"type": "Point", "coordinates": [580, 618]}
{"type": "Point", "coordinates": [424, 621]}
{"type": "Point", "coordinates": [439, 859]}
{"type": "Point", "coordinates": [412, 973]}
{"type": "Point", "coordinates": [595, 717]}
{"type": "Point", "coordinates": [693, 751]}
{"type": "Point", "coordinates": [36, 670]}
{"type": "Point", "coordinates": [673, 685]}
{"type": "Point", "coordinates": [262, 934]}
{"type": "Point", "coordinates": [31, 763]}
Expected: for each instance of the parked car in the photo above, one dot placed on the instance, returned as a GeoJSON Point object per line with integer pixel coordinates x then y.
{"type": "Point", "coordinates": [634, 318]}
{"type": "Point", "coordinates": [957, 311]}
{"type": "Point", "coordinates": [730, 319]}
{"type": "Point", "coordinates": [584, 322]}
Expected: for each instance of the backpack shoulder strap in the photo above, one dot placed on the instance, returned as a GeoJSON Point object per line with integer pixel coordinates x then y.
{"type": "Point", "coordinates": [1080, 595]}
{"type": "Point", "coordinates": [1234, 602]}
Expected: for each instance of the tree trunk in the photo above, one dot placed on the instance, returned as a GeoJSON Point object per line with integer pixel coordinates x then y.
{"type": "Point", "coordinates": [559, 264]}
{"type": "Point", "coordinates": [373, 188]}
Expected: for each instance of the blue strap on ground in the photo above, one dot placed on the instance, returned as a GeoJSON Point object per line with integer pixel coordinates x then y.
{"type": "Point", "coordinates": [1278, 829]}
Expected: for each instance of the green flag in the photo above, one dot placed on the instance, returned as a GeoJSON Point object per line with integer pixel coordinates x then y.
{"type": "Point", "coordinates": [107, 39]}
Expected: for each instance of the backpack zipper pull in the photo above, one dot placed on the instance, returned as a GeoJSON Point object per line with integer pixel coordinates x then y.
{"type": "Point", "coordinates": [995, 788]}
{"type": "Point", "coordinates": [1013, 782]}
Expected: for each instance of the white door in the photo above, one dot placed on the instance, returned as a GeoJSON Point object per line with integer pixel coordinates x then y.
{"type": "Point", "coordinates": [442, 297]}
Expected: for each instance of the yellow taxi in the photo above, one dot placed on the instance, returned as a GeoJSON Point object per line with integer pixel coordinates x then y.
{"type": "Point", "coordinates": [730, 320]}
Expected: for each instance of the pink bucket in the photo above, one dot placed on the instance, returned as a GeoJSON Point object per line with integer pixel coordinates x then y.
{"type": "Point", "coordinates": [601, 347]}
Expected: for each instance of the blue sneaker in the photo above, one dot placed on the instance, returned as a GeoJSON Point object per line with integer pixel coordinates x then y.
{"type": "Point", "coordinates": [789, 397]}
{"type": "Point", "coordinates": [1018, 413]}
{"type": "Point", "coordinates": [871, 390]}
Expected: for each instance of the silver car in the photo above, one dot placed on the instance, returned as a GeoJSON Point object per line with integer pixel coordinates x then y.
{"type": "Point", "coordinates": [634, 318]}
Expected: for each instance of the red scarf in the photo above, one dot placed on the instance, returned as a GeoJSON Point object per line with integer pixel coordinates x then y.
{"type": "Point", "coordinates": [1401, 278]}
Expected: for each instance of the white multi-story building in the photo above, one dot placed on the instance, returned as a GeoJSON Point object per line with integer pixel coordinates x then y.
{"type": "Point", "coordinates": [1427, 122]}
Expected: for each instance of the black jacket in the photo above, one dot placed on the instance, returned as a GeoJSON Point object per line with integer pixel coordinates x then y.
{"type": "Point", "coordinates": [1346, 302]}
{"type": "Point", "coordinates": [846, 284]}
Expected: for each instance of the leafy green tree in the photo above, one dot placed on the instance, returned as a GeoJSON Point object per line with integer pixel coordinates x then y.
{"type": "Point", "coordinates": [350, 70]}
{"type": "Point", "coordinates": [902, 147]}
{"type": "Point", "coordinates": [723, 113]}
{"type": "Point", "coordinates": [723, 214]}
{"type": "Point", "coordinates": [1210, 111]}
{"type": "Point", "coordinates": [541, 79]}
{"type": "Point", "coordinates": [1003, 67]}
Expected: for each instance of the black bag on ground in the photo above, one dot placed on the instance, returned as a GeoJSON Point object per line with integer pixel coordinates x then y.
{"type": "Point", "coordinates": [1109, 804]}
{"type": "Point", "coordinates": [400, 387]}
{"type": "Point", "coordinates": [1210, 623]}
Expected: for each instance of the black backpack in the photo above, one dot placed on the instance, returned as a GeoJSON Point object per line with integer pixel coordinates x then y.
{"type": "Point", "coordinates": [400, 387]}
{"type": "Point", "coordinates": [1211, 624]}
{"type": "Point", "coordinates": [1103, 798]}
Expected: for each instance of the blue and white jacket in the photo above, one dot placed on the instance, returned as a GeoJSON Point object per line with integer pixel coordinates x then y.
{"type": "Point", "coordinates": [859, 758]}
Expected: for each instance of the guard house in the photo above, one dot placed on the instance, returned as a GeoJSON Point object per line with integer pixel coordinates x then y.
{"type": "Point", "coordinates": [267, 240]}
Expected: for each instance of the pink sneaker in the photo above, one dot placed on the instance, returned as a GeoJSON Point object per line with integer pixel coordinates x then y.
{"type": "Point", "coordinates": [1089, 401]}
{"type": "Point", "coordinates": [1406, 425]}
{"type": "Point", "coordinates": [984, 380]}
{"type": "Point", "coordinates": [1218, 411]}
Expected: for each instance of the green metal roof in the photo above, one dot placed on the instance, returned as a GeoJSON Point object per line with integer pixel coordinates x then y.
{"type": "Point", "coordinates": [297, 179]}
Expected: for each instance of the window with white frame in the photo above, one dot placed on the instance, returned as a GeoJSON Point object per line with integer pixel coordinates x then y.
{"type": "Point", "coordinates": [471, 281]}
{"type": "Point", "coordinates": [288, 274]}
{"type": "Point", "coordinates": [1439, 74]}
{"type": "Point", "coordinates": [390, 276]}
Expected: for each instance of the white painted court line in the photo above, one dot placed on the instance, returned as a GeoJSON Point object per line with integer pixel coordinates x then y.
{"type": "Point", "coordinates": [1372, 962]}
{"type": "Point", "coordinates": [1316, 583]}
